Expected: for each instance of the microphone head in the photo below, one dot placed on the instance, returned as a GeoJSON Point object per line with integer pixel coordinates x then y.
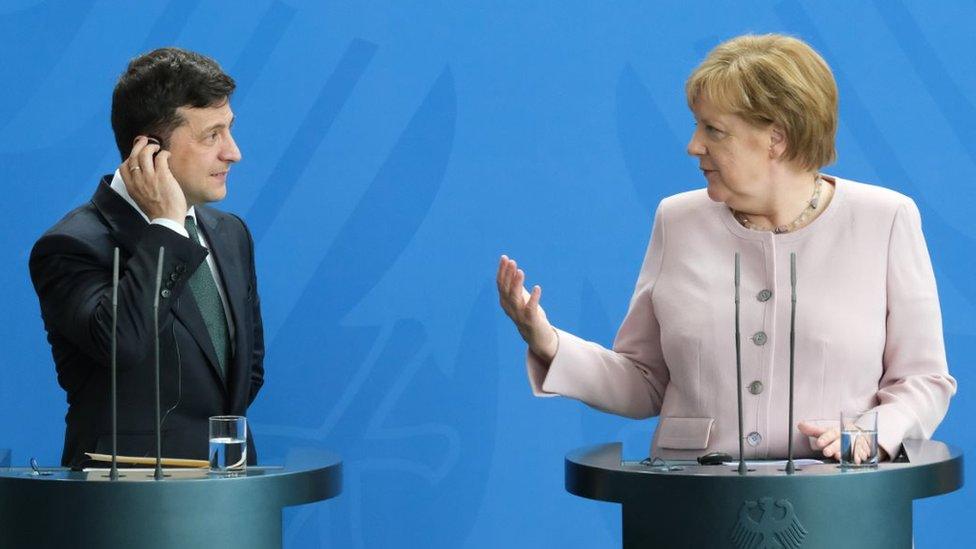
{"type": "Point", "coordinates": [793, 274]}
{"type": "Point", "coordinates": [159, 277]}
{"type": "Point", "coordinates": [115, 277]}
{"type": "Point", "coordinates": [737, 268]}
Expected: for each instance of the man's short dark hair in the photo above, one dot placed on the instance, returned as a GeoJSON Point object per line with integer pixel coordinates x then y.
{"type": "Point", "coordinates": [155, 84]}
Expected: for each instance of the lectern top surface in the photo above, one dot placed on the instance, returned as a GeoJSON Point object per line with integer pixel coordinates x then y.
{"type": "Point", "coordinates": [326, 462]}
{"type": "Point", "coordinates": [608, 456]}
{"type": "Point", "coordinates": [599, 473]}
{"type": "Point", "coordinates": [264, 486]}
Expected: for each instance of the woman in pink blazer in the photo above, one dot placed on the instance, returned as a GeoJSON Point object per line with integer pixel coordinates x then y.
{"type": "Point", "coordinates": [868, 324]}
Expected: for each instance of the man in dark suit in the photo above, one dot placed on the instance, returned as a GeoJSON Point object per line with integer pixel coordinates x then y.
{"type": "Point", "coordinates": [172, 121]}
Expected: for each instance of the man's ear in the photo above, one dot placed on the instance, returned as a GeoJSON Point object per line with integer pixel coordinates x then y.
{"type": "Point", "coordinates": [777, 142]}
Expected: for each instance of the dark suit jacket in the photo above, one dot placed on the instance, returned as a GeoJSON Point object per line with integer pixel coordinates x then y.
{"type": "Point", "coordinates": [71, 267]}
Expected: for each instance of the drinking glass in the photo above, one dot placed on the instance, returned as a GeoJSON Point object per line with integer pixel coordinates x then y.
{"type": "Point", "coordinates": [228, 445]}
{"type": "Point", "coordinates": [858, 439]}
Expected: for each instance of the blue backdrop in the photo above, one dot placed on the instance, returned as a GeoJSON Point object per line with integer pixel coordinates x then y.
{"type": "Point", "coordinates": [392, 151]}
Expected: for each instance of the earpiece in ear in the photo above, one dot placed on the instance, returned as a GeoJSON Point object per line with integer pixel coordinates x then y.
{"type": "Point", "coordinates": [153, 140]}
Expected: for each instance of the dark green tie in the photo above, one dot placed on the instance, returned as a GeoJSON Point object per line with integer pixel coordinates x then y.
{"type": "Point", "coordinates": [204, 290]}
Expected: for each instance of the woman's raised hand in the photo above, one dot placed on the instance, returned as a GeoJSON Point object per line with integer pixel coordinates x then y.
{"type": "Point", "coordinates": [524, 310]}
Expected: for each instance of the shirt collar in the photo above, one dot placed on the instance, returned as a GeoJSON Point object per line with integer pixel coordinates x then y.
{"type": "Point", "coordinates": [118, 185]}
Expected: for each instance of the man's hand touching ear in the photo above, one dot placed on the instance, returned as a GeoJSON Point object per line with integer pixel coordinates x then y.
{"type": "Point", "coordinates": [150, 183]}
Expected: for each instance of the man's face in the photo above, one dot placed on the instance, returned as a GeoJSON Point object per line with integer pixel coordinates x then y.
{"type": "Point", "coordinates": [202, 150]}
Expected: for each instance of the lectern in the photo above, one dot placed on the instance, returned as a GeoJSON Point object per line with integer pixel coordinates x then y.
{"type": "Point", "coordinates": [59, 508]}
{"type": "Point", "coordinates": [682, 504]}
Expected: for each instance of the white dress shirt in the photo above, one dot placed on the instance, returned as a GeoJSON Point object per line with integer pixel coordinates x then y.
{"type": "Point", "coordinates": [118, 185]}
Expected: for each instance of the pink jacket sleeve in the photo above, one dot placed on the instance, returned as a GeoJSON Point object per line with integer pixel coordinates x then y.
{"type": "Point", "coordinates": [914, 391]}
{"type": "Point", "coordinates": [628, 380]}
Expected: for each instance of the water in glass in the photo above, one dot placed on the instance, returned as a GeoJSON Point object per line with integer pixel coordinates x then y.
{"type": "Point", "coordinates": [853, 439]}
{"type": "Point", "coordinates": [228, 454]}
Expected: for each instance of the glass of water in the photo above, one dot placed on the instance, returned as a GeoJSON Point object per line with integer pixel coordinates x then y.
{"type": "Point", "coordinates": [859, 439]}
{"type": "Point", "coordinates": [228, 445]}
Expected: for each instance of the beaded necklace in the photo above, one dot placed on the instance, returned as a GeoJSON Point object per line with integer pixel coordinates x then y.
{"type": "Point", "coordinates": [792, 226]}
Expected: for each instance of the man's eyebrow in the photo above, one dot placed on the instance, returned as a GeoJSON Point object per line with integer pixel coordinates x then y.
{"type": "Point", "coordinates": [217, 126]}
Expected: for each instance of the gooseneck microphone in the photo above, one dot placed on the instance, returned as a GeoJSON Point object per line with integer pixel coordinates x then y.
{"type": "Point", "coordinates": [159, 439]}
{"type": "Point", "coordinates": [790, 467]}
{"type": "Point", "coordinates": [738, 369]}
{"type": "Point", "coordinates": [114, 472]}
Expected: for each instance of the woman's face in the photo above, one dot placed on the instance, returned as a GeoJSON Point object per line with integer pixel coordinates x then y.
{"type": "Point", "coordinates": [734, 155]}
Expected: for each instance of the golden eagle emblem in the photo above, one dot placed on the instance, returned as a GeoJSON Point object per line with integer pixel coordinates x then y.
{"type": "Point", "coordinates": [764, 524]}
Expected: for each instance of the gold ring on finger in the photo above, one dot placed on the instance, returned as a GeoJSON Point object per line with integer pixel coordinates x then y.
{"type": "Point", "coordinates": [134, 168]}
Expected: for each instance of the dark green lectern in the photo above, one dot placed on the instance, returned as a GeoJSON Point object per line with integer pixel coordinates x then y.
{"type": "Point", "coordinates": [682, 504]}
{"type": "Point", "coordinates": [60, 508]}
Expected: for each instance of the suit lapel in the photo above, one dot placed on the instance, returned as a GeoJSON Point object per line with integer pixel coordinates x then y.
{"type": "Point", "coordinates": [125, 223]}
{"type": "Point", "coordinates": [229, 269]}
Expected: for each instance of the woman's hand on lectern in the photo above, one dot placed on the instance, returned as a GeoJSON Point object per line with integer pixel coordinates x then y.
{"type": "Point", "coordinates": [828, 440]}
{"type": "Point", "coordinates": [524, 310]}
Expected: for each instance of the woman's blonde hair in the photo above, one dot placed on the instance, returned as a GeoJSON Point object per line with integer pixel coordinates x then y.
{"type": "Point", "coordinates": [774, 79]}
